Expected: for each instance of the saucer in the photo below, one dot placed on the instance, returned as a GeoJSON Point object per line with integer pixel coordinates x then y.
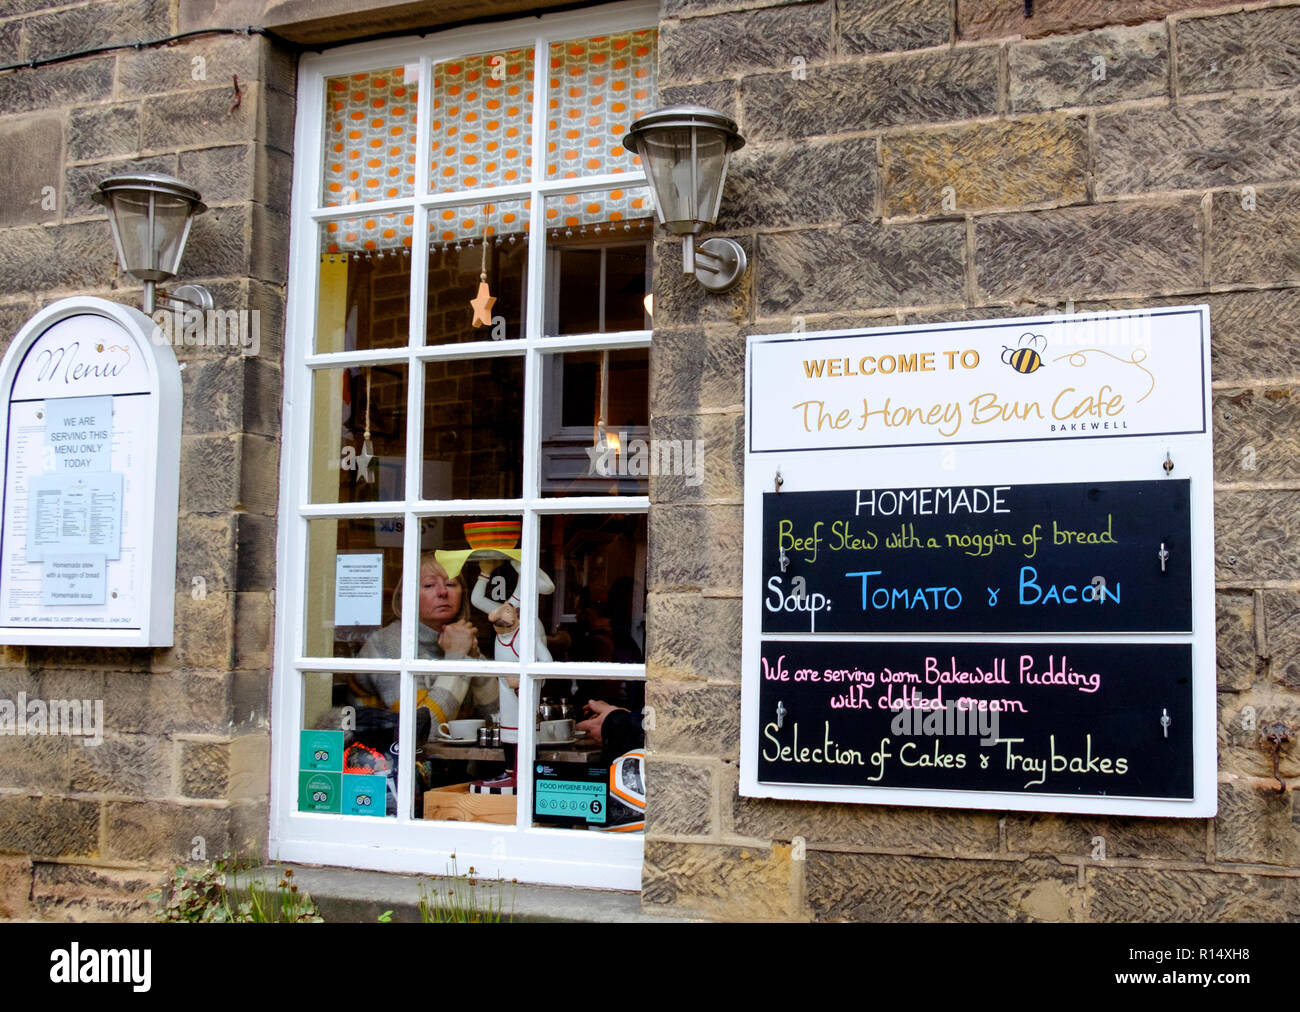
{"type": "Point", "coordinates": [441, 740]}
{"type": "Point", "coordinates": [552, 742]}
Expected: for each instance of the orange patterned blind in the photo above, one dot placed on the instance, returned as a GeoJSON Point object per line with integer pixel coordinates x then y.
{"type": "Point", "coordinates": [481, 134]}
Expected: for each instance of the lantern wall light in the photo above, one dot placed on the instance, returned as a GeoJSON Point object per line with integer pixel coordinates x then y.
{"type": "Point", "coordinates": [685, 149]}
{"type": "Point", "coordinates": [150, 215]}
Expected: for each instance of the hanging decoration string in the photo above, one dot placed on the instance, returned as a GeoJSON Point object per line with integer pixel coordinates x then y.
{"type": "Point", "coordinates": [367, 453]}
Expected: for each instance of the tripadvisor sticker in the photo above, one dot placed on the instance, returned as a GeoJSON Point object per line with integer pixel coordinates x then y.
{"type": "Point", "coordinates": [318, 792]}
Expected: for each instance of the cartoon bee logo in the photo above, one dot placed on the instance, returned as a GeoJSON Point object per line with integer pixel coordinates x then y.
{"type": "Point", "coordinates": [1027, 356]}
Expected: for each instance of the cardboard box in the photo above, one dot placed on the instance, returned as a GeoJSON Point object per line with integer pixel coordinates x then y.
{"type": "Point", "coordinates": [454, 803]}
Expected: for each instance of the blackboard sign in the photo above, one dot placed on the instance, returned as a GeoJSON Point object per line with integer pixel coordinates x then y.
{"type": "Point", "coordinates": [1076, 557]}
{"type": "Point", "coordinates": [1069, 719]}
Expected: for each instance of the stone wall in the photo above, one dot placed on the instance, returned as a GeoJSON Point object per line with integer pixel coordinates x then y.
{"type": "Point", "coordinates": [85, 832]}
{"type": "Point", "coordinates": [1100, 155]}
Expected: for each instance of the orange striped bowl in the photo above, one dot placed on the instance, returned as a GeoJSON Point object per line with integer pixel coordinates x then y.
{"type": "Point", "coordinates": [498, 534]}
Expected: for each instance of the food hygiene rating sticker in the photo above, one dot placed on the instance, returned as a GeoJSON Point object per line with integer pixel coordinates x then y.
{"type": "Point", "coordinates": [572, 799]}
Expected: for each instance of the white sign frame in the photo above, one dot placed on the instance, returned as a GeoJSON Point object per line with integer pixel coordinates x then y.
{"type": "Point", "coordinates": [154, 466]}
{"type": "Point", "coordinates": [1177, 345]}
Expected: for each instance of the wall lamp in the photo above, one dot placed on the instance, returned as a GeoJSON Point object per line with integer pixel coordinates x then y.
{"type": "Point", "coordinates": [685, 149]}
{"type": "Point", "coordinates": [150, 215]}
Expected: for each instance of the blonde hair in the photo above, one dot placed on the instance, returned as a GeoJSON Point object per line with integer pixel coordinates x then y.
{"type": "Point", "coordinates": [430, 561]}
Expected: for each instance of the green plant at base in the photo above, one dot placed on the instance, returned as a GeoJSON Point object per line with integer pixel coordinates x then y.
{"type": "Point", "coordinates": [211, 894]}
{"type": "Point", "coordinates": [457, 899]}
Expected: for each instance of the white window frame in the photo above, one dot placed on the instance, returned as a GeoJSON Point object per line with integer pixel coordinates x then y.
{"type": "Point", "coordinates": [405, 844]}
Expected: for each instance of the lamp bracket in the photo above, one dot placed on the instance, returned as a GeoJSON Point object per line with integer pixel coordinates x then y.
{"type": "Point", "coordinates": [190, 296]}
{"type": "Point", "coordinates": [717, 263]}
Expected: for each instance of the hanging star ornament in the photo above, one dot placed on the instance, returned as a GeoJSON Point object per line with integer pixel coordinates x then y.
{"type": "Point", "coordinates": [599, 457]}
{"type": "Point", "coordinates": [482, 305]}
{"type": "Point", "coordinates": [364, 458]}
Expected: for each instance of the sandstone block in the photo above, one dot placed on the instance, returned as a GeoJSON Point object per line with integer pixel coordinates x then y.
{"type": "Point", "coordinates": [1251, 49]}
{"type": "Point", "coordinates": [269, 253]}
{"type": "Point", "coordinates": [885, 887]}
{"type": "Point", "coordinates": [209, 473]}
{"type": "Point", "coordinates": [218, 245]}
{"type": "Point", "coordinates": [204, 635]}
{"type": "Point", "coordinates": [681, 301]}
{"type": "Point", "coordinates": [695, 546]}
{"type": "Point", "coordinates": [162, 831]}
{"type": "Point", "coordinates": [102, 131]}
{"type": "Point", "coordinates": [1253, 540]}
{"type": "Point", "coordinates": [697, 368]}
{"type": "Point", "coordinates": [717, 457]}
{"type": "Point", "coordinates": [719, 883]}
{"type": "Point", "coordinates": [1087, 251]}
{"type": "Point", "coordinates": [1235, 640]}
{"type": "Point", "coordinates": [254, 623]}
{"type": "Point", "coordinates": [223, 174]}
{"type": "Point", "coordinates": [273, 178]}
{"type": "Point", "coordinates": [259, 474]}
{"type": "Point", "coordinates": [891, 25]}
{"type": "Point", "coordinates": [690, 636]}
{"type": "Point", "coordinates": [1073, 836]}
{"type": "Point", "coordinates": [866, 827]}
{"type": "Point", "coordinates": [1111, 65]}
{"type": "Point", "coordinates": [200, 118]}
{"type": "Point", "coordinates": [250, 699]}
{"type": "Point", "coordinates": [1244, 750]}
{"type": "Point", "coordinates": [1158, 895]}
{"type": "Point", "coordinates": [679, 797]}
{"type": "Point", "coordinates": [720, 95]}
{"type": "Point", "coordinates": [48, 827]}
{"type": "Point", "coordinates": [1282, 620]}
{"type": "Point", "coordinates": [166, 702]}
{"type": "Point", "coordinates": [213, 390]}
{"type": "Point", "coordinates": [131, 765]}
{"type": "Point", "coordinates": [724, 45]}
{"type": "Point", "coordinates": [861, 267]}
{"type": "Point", "coordinates": [205, 61]}
{"type": "Point", "coordinates": [986, 19]}
{"type": "Point", "coordinates": [70, 892]}
{"type": "Point", "coordinates": [102, 24]}
{"type": "Point", "coordinates": [11, 39]}
{"type": "Point", "coordinates": [31, 169]}
{"type": "Point", "coordinates": [15, 888]}
{"type": "Point", "coordinates": [689, 8]}
{"type": "Point", "coordinates": [1219, 142]}
{"type": "Point", "coordinates": [1255, 825]}
{"type": "Point", "coordinates": [1255, 235]}
{"type": "Point", "coordinates": [1255, 434]}
{"type": "Point", "coordinates": [38, 763]}
{"type": "Point", "coordinates": [1011, 163]}
{"type": "Point", "coordinates": [919, 88]}
{"type": "Point", "coordinates": [694, 719]}
{"type": "Point", "coordinates": [73, 83]}
{"type": "Point", "coordinates": [815, 181]}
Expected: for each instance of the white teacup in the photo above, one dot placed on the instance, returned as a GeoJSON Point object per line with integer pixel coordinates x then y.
{"type": "Point", "coordinates": [461, 729]}
{"type": "Point", "coordinates": [556, 730]}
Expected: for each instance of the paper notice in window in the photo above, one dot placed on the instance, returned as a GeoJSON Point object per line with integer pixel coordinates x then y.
{"type": "Point", "coordinates": [73, 579]}
{"type": "Point", "coordinates": [358, 589]}
{"type": "Point", "coordinates": [73, 514]}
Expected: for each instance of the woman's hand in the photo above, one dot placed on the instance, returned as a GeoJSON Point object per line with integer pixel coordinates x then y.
{"type": "Point", "coordinates": [599, 710]}
{"type": "Point", "coordinates": [457, 639]}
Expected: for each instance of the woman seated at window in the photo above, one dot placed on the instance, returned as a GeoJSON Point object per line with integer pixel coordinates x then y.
{"type": "Point", "coordinates": [444, 632]}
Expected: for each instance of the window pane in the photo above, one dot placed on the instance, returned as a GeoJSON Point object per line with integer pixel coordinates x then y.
{"type": "Point", "coordinates": [597, 563]}
{"type": "Point", "coordinates": [474, 428]}
{"type": "Point", "coordinates": [482, 121]}
{"type": "Point", "coordinates": [598, 261]}
{"type": "Point", "coordinates": [589, 759]}
{"type": "Point", "coordinates": [598, 87]}
{"type": "Point", "coordinates": [595, 423]}
{"type": "Point", "coordinates": [466, 243]}
{"type": "Point", "coordinates": [348, 465]}
{"type": "Point", "coordinates": [370, 141]}
{"type": "Point", "coordinates": [347, 763]}
{"type": "Point", "coordinates": [363, 296]}
{"type": "Point", "coordinates": [352, 567]}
